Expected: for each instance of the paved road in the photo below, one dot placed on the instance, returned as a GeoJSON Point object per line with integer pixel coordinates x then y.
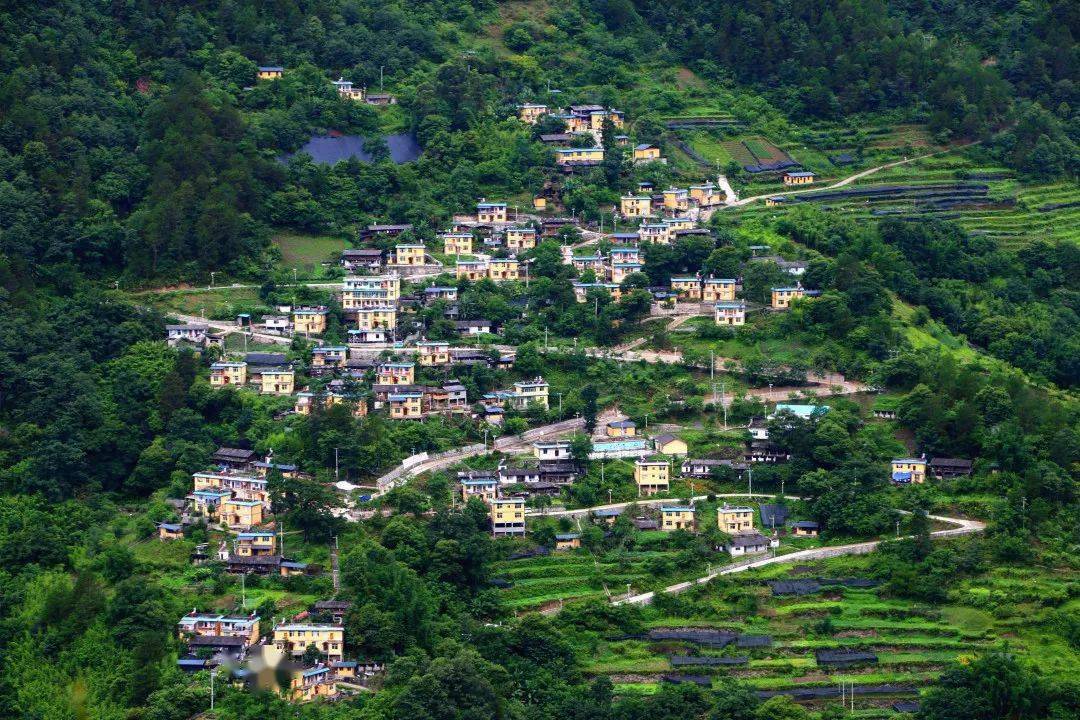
{"type": "Point", "coordinates": [230, 326]}
{"type": "Point", "coordinates": [509, 444]}
{"type": "Point", "coordinates": [839, 183]}
{"type": "Point", "coordinates": [730, 196]}
{"type": "Point", "coordinates": [962, 526]}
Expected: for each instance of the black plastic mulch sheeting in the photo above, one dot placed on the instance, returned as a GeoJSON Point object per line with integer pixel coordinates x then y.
{"type": "Point", "coordinates": [703, 680]}
{"type": "Point", "coordinates": [753, 641]}
{"type": "Point", "coordinates": [687, 660]}
{"type": "Point", "coordinates": [711, 638]}
{"type": "Point", "coordinates": [794, 587]}
{"type": "Point", "coordinates": [844, 657]}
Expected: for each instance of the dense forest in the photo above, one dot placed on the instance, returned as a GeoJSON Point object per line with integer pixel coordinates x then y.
{"type": "Point", "coordinates": [136, 149]}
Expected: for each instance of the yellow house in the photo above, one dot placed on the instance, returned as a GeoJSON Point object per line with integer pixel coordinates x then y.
{"type": "Point", "coordinates": [359, 403]}
{"type": "Point", "coordinates": [689, 287]}
{"type": "Point", "coordinates": [804, 528]}
{"type": "Point", "coordinates": [676, 199]}
{"type": "Point", "coordinates": [909, 470]}
{"type": "Point", "coordinates": [277, 381]}
{"type": "Point", "coordinates": [531, 112]}
{"type": "Point", "coordinates": [487, 489]}
{"type": "Point", "coordinates": [305, 401]}
{"type": "Point", "coordinates": [670, 445]}
{"type": "Point", "coordinates": [539, 203]}
{"type": "Point", "coordinates": [581, 290]}
{"type": "Point", "coordinates": [308, 684]}
{"type": "Point", "coordinates": [620, 270]}
{"type": "Point", "coordinates": [774, 201]}
{"type": "Point", "coordinates": [508, 516]}
{"type": "Point", "coordinates": [635, 206]}
{"type": "Point", "coordinates": [369, 291]}
{"type": "Point", "coordinates": [733, 519]}
{"type": "Point", "coordinates": [579, 156]}
{"type": "Point", "coordinates": [379, 317]}
{"type": "Point", "coordinates": [240, 514]}
{"type": "Point", "coordinates": [621, 429]}
{"type": "Point", "coordinates": [530, 393]}
{"type": "Point", "coordinates": [457, 243]}
{"type": "Point", "coordinates": [409, 254]}
{"type": "Point", "coordinates": [228, 373]}
{"type": "Point", "coordinates": [704, 195]}
{"type": "Point", "coordinates": [676, 517]}
{"type": "Point", "coordinates": [295, 638]}
{"type": "Point", "coordinates": [433, 353]}
{"type": "Point", "coordinates": [798, 178]}
{"type": "Point", "coordinates": [659, 233]}
{"type": "Point", "coordinates": [499, 270]}
{"type": "Point", "coordinates": [269, 72]}
{"type": "Point", "coordinates": [255, 544]}
{"type": "Point", "coordinates": [718, 290]}
{"type": "Point", "coordinates": [521, 238]}
{"type": "Point", "coordinates": [730, 313]}
{"type": "Point", "coordinates": [309, 321]}
{"type": "Point", "coordinates": [679, 223]}
{"type": "Point", "coordinates": [406, 406]}
{"type": "Point", "coordinates": [567, 541]}
{"type": "Point", "coordinates": [329, 356]}
{"type": "Point", "coordinates": [646, 153]}
{"type": "Point", "coordinates": [396, 373]}
{"type": "Point", "coordinates": [170, 531]}
{"type": "Point", "coordinates": [491, 212]}
{"type": "Point", "coordinates": [472, 270]}
{"type": "Point", "coordinates": [651, 475]}
{"type": "Point", "coordinates": [346, 90]}
{"type": "Point", "coordinates": [782, 297]}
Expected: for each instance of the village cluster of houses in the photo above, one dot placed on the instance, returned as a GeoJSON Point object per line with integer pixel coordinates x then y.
{"type": "Point", "coordinates": [276, 661]}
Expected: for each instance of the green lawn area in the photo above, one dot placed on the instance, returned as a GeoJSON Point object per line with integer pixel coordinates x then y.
{"type": "Point", "coordinates": [306, 253]}
{"type": "Point", "coordinates": [217, 303]}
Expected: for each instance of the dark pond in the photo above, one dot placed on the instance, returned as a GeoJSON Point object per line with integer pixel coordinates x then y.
{"type": "Point", "coordinates": [326, 149]}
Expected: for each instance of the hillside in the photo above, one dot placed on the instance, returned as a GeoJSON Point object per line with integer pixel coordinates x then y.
{"type": "Point", "coordinates": [269, 341]}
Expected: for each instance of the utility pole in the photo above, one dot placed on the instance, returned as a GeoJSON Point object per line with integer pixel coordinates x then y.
{"type": "Point", "coordinates": [723, 401]}
{"type": "Point", "coordinates": [750, 474]}
{"type": "Point", "coordinates": [213, 672]}
{"type": "Point", "coordinates": [337, 473]}
{"type": "Point", "coordinates": [380, 78]}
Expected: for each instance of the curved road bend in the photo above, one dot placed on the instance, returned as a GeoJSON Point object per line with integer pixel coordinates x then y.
{"type": "Point", "coordinates": [961, 526]}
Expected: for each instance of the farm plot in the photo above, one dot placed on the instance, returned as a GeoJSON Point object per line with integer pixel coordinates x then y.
{"type": "Point", "coordinates": [538, 582]}
{"type": "Point", "coordinates": [756, 154]}
{"type": "Point", "coordinates": [802, 646]}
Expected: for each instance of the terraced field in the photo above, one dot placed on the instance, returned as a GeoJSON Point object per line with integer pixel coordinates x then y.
{"type": "Point", "coordinates": [539, 582]}
{"type": "Point", "coordinates": [911, 644]}
{"type": "Point", "coordinates": [906, 643]}
{"type": "Point", "coordinates": [985, 199]}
